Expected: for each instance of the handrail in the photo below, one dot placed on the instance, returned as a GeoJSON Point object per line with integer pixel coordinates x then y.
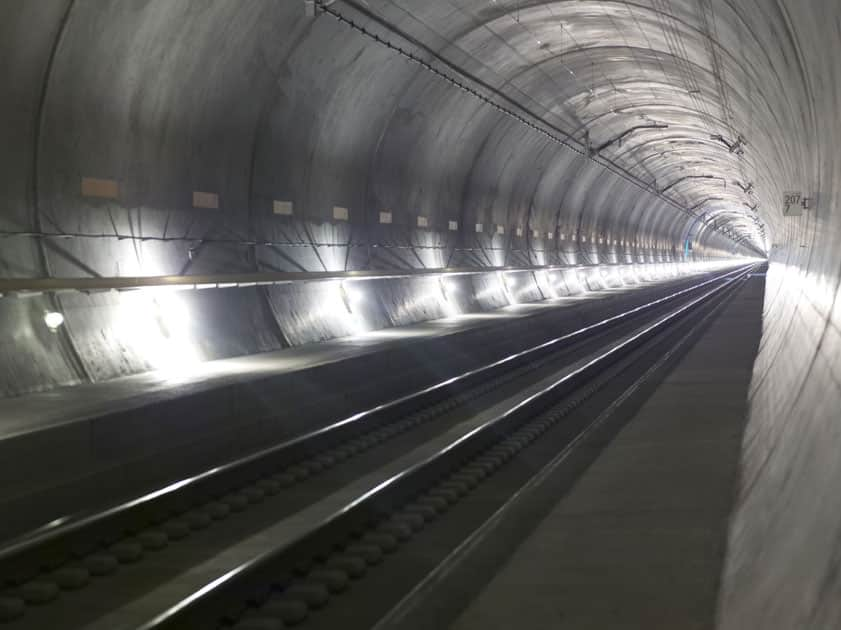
{"type": "Point", "coordinates": [23, 287]}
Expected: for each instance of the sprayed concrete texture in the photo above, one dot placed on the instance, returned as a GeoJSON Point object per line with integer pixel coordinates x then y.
{"type": "Point", "coordinates": [203, 136]}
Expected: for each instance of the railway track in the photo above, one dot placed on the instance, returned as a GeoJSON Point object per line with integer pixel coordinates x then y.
{"type": "Point", "coordinates": [76, 571]}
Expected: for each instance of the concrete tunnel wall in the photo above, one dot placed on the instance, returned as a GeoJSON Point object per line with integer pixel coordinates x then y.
{"type": "Point", "coordinates": [256, 103]}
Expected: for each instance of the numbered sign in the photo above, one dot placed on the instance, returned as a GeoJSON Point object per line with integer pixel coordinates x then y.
{"type": "Point", "coordinates": [792, 204]}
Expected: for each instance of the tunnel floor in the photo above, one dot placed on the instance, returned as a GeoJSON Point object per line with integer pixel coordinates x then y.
{"type": "Point", "coordinates": [102, 436]}
{"type": "Point", "coordinates": [639, 541]}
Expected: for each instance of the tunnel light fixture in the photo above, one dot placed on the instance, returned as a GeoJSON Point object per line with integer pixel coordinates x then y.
{"type": "Point", "coordinates": [506, 289]}
{"type": "Point", "coordinates": [345, 298]}
{"type": "Point", "coordinates": [53, 320]}
{"type": "Point", "coordinates": [447, 290]}
{"type": "Point", "coordinates": [157, 327]}
{"type": "Point", "coordinates": [545, 280]}
{"type": "Point", "coordinates": [452, 287]}
{"type": "Point", "coordinates": [442, 284]}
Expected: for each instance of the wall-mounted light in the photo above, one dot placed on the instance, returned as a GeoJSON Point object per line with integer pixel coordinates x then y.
{"type": "Point", "coordinates": [53, 320]}
{"type": "Point", "coordinates": [545, 280]}
{"type": "Point", "coordinates": [345, 298]}
{"type": "Point", "coordinates": [505, 283]}
{"type": "Point", "coordinates": [442, 284]}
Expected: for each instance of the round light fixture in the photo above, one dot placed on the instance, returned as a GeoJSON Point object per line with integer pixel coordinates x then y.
{"type": "Point", "coordinates": [53, 320]}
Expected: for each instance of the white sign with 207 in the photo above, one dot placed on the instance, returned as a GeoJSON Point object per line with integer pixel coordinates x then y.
{"type": "Point", "coordinates": [793, 204]}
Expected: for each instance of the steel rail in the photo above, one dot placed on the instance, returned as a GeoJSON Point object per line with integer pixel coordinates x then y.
{"type": "Point", "coordinates": [64, 539]}
{"type": "Point", "coordinates": [226, 597]}
{"type": "Point", "coordinates": [411, 602]}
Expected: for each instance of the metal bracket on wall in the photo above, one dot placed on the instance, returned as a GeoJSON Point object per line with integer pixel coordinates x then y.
{"type": "Point", "coordinates": [313, 8]}
{"type": "Point", "coordinates": [737, 147]}
{"type": "Point", "coordinates": [621, 138]}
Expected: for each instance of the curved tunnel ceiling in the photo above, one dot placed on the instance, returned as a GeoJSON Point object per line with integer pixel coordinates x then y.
{"type": "Point", "coordinates": [604, 68]}
{"type": "Point", "coordinates": [260, 102]}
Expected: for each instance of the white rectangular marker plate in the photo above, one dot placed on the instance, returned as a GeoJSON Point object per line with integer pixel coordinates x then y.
{"type": "Point", "coordinates": [792, 204]}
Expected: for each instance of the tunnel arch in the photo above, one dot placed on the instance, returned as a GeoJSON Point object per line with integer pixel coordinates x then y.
{"type": "Point", "coordinates": [257, 103]}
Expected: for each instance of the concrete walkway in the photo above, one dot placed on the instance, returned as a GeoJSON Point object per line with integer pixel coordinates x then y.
{"type": "Point", "coordinates": [639, 541]}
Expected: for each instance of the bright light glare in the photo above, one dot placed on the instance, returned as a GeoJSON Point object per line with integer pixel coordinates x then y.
{"type": "Point", "coordinates": [450, 286]}
{"type": "Point", "coordinates": [506, 290]}
{"type": "Point", "coordinates": [337, 310]}
{"type": "Point", "coordinates": [354, 293]}
{"type": "Point", "coordinates": [345, 298]}
{"type": "Point", "coordinates": [341, 304]}
{"type": "Point", "coordinates": [156, 326]}
{"type": "Point", "coordinates": [53, 320]}
{"type": "Point", "coordinates": [546, 285]}
{"type": "Point", "coordinates": [448, 291]}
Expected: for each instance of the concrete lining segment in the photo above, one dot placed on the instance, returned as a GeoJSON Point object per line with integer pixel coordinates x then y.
{"type": "Point", "coordinates": [639, 541]}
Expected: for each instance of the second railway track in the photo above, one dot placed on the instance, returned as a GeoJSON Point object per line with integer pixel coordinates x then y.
{"type": "Point", "coordinates": [70, 564]}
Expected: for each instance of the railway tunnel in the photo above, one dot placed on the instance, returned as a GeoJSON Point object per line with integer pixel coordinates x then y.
{"type": "Point", "coordinates": [230, 228]}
